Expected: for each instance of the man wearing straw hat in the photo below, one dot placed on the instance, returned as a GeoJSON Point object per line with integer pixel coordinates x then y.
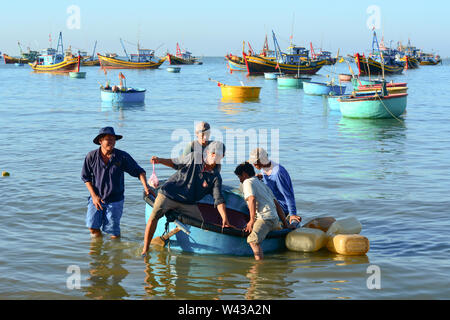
{"type": "Point", "coordinates": [103, 174]}
{"type": "Point", "coordinates": [276, 177]}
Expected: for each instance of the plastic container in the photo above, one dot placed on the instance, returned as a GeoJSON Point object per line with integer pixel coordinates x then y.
{"type": "Point", "coordinates": [348, 244]}
{"type": "Point", "coordinates": [305, 240]}
{"type": "Point", "coordinates": [345, 226]}
{"type": "Point", "coordinates": [322, 223]}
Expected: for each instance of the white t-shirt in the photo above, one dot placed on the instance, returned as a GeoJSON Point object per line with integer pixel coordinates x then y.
{"type": "Point", "coordinates": [265, 207]}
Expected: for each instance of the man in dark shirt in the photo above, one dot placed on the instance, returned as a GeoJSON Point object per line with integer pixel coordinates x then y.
{"type": "Point", "coordinates": [103, 174]}
{"type": "Point", "coordinates": [188, 185]}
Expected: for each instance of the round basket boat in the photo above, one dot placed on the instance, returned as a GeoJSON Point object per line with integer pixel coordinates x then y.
{"type": "Point", "coordinates": [77, 75]}
{"type": "Point", "coordinates": [126, 96]}
{"type": "Point", "coordinates": [174, 69]}
{"type": "Point", "coordinates": [244, 92]}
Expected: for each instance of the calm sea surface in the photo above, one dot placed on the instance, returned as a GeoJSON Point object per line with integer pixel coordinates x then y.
{"type": "Point", "coordinates": [393, 176]}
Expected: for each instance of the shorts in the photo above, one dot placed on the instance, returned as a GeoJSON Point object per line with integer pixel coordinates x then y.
{"type": "Point", "coordinates": [163, 204]}
{"type": "Point", "coordinates": [260, 230]}
{"type": "Point", "coordinates": [107, 219]}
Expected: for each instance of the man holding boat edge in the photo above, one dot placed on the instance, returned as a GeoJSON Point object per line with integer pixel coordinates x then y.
{"type": "Point", "coordinates": [265, 211]}
{"type": "Point", "coordinates": [276, 177]}
{"type": "Point", "coordinates": [103, 174]}
{"type": "Point", "coordinates": [189, 184]}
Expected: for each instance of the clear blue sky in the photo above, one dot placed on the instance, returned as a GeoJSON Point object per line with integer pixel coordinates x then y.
{"type": "Point", "coordinates": [214, 28]}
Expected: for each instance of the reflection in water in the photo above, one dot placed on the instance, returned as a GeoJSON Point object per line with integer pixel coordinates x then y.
{"type": "Point", "coordinates": [192, 276]}
{"type": "Point", "coordinates": [106, 270]}
{"type": "Point", "coordinates": [372, 129]}
{"type": "Point", "coordinates": [237, 105]}
{"type": "Point", "coordinates": [121, 106]}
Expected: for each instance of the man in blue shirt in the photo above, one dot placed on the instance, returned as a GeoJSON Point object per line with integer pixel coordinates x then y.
{"type": "Point", "coordinates": [103, 174]}
{"type": "Point", "coordinates": [276, 177]}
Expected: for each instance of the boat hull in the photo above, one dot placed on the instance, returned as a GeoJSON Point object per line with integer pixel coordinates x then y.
{"type": "Point", "coordinates": [374, 107]}
{"type": "Point", "coordinates": [260, 65]}
{"type": "Point", "coordinates": [207, 237]}
{"type": "Point", "coordinates": [320, 89]}
{"type": "Point", "coordinates": [90, 63]}
{"type": "Point", "coordinates": [136, 96]}
{"type": "Point", "coordinates": [368, 66]}
{"type": "Point", "coordinates": [66, 66]}
{"type": "Point", "coordinates": [113, 63]}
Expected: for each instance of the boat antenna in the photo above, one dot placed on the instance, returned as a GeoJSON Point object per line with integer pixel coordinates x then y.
{"type": "Point", "coordinates": [124, 49]}
{"type": "Point", "coordinates": [292, 28]}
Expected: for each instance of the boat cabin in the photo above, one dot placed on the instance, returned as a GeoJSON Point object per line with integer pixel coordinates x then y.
{"type": "Point", "coordinates": [295, 55]}
{"type": "Point", "coordinates": [49, 56]}
{"type": "Point", "coordinates": [143, 55]}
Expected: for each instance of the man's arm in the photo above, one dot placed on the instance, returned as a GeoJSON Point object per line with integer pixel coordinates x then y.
{"type": "Point", "coordinates": [96, 200]}
{"type": "Point", "coordinates": [251, 203]}
{"type": "Point", "coordinates": [280, 213]}
{"type": "Point", "coordinates": [167, 162]}
{"type": "Point", "coordinates": [143, 179]}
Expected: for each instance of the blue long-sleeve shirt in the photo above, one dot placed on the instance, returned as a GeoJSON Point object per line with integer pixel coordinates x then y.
{"type": "Point", "coordinates": [280, 183]}
{"type": "Point", "coordinates": [108, 179]}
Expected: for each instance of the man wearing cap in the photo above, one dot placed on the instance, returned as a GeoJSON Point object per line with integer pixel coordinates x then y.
{"type": "Point", "coordinates": [202, 131]}
{"type": "Point", "coordinates": [276, 177]}
{"type": "Point", "coordinates": [187, 186]}
{"type": "Point", "coordinates": [103, 174]}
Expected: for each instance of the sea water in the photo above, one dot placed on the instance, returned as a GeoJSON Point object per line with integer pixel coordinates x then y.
{"type": "Point", "coordinates": [392, 175]}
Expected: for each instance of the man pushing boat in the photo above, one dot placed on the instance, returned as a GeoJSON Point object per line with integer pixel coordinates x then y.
{"type": "Point", "coordinates": [191, 182]}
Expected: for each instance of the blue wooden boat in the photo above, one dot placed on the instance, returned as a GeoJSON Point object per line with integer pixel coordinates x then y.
{"type": "Point", "coordinates": [173, 69]}
{"type": "Point", "coordinates": [374, 106]}
{"type": "Point", "coordinates": [333, 103]}
{"type": "Point", "coordinates": [291, 81]}
{"type": "Point", "coordinates": [126, 95]}
{"type": "Point", "coordinates": [272, 75]}
{"type": "Point", "coordinates": [208, 237]}
{"type": "Point", "coordinates": [320, 88]}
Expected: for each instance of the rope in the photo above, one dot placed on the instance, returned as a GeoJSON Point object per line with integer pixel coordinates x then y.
{"type": "Point", "coordinates": [387, 109]}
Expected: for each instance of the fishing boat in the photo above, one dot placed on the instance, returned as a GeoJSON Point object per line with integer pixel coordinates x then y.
{"type": "Point", "coordinates": [320, 88]}
{"type": "Point", "coordinates": [91, 61]}
{"type": "Point", "coordinates": [28, 56]}
{"type": "Point", "coordinates": [429, 59]}
{"type": "Point", "coordinates": [208, 236]}
{"type": "Point", "coordinates": [323, 55]}
{"type": "Point", "coordinates": [295, 61]}
{"type": "Point", "coordinates": [182, 57]}
{"type": "Point", "coordinates": [11, 60]}
{"type": "Point", "coordinates": [235, 63]}
{"type": "Point", "coordinates": [54, 61]}
{"type": "Point", "coordinates": [144, 59]}
{"type": "Point", "coordinates": [114, 63]}
{"type": "Point", "coordinates": [379, 62]}
{"type": "Point", "coordinates": [400, 88]}
{"type": "Point", "coordinates": [292, 81]}
{"type": "Point", "coordinates": [374, 106]}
